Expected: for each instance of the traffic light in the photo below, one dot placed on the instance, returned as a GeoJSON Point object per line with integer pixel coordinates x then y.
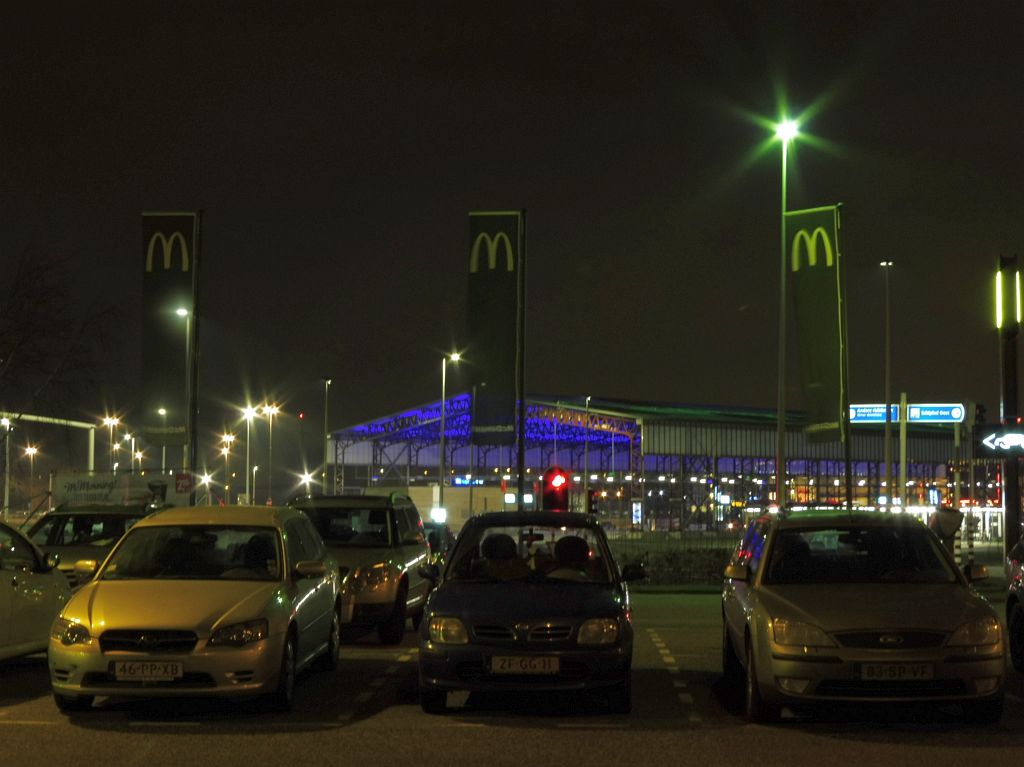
{"type": "Point", "coordinates": [556, 490]}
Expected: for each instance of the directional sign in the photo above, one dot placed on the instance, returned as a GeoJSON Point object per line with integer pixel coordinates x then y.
{"type": "Point", "coordinates": [1004, 442]}
{"type": "Point", "coordinates": [873, 413]}
{"type": "Point", "coordinates": [916, 413]}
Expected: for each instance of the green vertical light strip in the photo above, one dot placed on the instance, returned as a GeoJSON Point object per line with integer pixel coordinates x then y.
{"type": "Point", "coordinates": [999, 299]}
{"type": "Point", "coordinates": [1016, 287]}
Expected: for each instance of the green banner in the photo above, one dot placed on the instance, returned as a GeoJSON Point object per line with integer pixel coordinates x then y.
{"type": "Point", "coordinates": [815, 277]}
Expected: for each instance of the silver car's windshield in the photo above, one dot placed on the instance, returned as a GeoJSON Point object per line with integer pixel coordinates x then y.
{"type": "Point", "coordinates": [869, 554]}
{"type": "Point", "coordinates": [531, 553]}
{"type": "Point", "coordinates": [352, 527]}
{"type": "Point", "coordinates": [197, 552]}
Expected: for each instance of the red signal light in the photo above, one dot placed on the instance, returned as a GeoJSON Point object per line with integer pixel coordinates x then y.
{"type": "Point", "coordinates": [557, 481]}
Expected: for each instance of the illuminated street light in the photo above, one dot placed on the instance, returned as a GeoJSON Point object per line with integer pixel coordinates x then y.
{"type": "Point", "coordinates": [454, 357]}
{"type": "Point", "coordinates": [248, 413]}
{"type": "Point", "coordinates": [887, 452]}
{"type": "Point", "coordinates": [110, 422]}
{"type": "Point", "coordinates": [163, 438]}
{"type": "Point", "coordinates": [306, 479]}
{"type": "Point", "coordinates": [226, 453]}
{"type": "Point", "coordinates": [270, 411]}
{"type": "Point", "coordinates": [785, 131]}
{"type": "Point", "coordinates": [31, 451]}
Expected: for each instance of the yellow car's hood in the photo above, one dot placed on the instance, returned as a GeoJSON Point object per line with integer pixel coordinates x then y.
{"type": "Point", "coordinates": [187, 605]}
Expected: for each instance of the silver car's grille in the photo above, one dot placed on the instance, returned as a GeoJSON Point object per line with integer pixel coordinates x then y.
{"type": "Point", "coordinates": [895, 639]}
{"type": "Point", "coordinates": [147, 641]}
{"type": "Point", "coordinates": [921, 688]}
{"type": "Point", "coordinates": [494, 633]}
{"type": "Point", "coordinates": [549, 633]}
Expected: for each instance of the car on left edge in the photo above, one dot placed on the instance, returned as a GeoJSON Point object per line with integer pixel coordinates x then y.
{"type": "Point", "coordinates": [32, 592]}
{"type": "Point", "coordinates": [219, 601]}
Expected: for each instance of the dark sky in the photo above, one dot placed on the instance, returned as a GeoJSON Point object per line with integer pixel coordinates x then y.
{"type": "Point", "coordinates": [335, 149]}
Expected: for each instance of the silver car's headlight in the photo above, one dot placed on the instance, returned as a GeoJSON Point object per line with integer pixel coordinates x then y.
{"type": "Point", "coordinates": [369, 576]}
{"type": "Point", "coordinates": [448, 631]}
{"type": "Point", "coordinates": [795, 633]}
{"type": "Point", "coordinates": [240, 634]}
{"type": "Point", "coordinates": [984, 631]}
{"type": "Point", "coordinates": [598, 631]}
{"type": "Point", "coordinates": [69, 632]}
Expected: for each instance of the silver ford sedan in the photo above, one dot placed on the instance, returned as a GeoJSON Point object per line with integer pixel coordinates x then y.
{"type": "Point", "coordinates": [826, 607]}
{"type": "Point", "coordinates": [202, 601]}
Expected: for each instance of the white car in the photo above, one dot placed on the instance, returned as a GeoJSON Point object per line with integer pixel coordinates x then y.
{"type": "Point", "coordinates": [32, 592]}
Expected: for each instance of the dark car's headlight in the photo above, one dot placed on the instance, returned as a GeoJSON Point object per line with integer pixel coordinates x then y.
{"type": "Point", "coordinates": [447, 631]}
{"type": "Point", "coordinates": [69, 632]}
{"type": "Point", "coordinates": [984, 631]}
{"type": "Point", "coordinates": [240, 634]}
{"type": "Point", "coordinates": [598, 631]}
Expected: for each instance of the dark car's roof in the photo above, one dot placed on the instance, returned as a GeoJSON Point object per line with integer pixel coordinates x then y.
{"type": "Point", "coordinates": [832, 518]}
{"type": "Point", "coordinates": [552, 518]}
{"type": "Point", "coordinates": [346, 501]}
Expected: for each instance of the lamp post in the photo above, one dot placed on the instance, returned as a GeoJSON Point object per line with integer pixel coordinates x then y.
{"type": "Point", "coordinates": [327, 389]}
{"type": "Point", "coordinates": [442, 468]}
{"type": "Point", "coordinates": [270, 411]}
{"type": "Point", "coordinates": [254, 470]}
{"type": "Point", "coordinates": [185, 314]}
{"type": "Point", "coordinates": [31, 451]}
{"type": "Point", "coordinates": [248, 412]}
{"type": "Point", "coordinates": [785, 132]}
{"type": "Point", "coordinates": [6, 423]}
{"type": "Point", "coordinates": [163, 449]}
{"type": "Point", "coordinates": [128, 438]}
{"type": "Point", "coordinates": [227, 440]}
{"type": "Point", "coordinates": [306, 479]}
{"type": "Point", "coordinates": [887, 449]}
{"type": "Point", "coordinates": [586, 457]}
{"type": "Point", "coordinates": [205, 482]}
{"type": "Point", "coordinates": [110, 422]}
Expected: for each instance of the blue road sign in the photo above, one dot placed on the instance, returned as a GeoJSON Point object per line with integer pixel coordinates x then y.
{"type": "Point", "coordinates": [916, 413]}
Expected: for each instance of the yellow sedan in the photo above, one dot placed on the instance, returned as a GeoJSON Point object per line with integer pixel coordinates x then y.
{"type": "Point", "coordinates": [216, 601]}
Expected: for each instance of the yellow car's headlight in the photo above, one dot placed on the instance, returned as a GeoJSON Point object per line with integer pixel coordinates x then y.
{"type": "Point", "coordinates": [795, 633]}
{"type": "Point", "coordinates": [69, 632]}
{"type": "Point", "coordinates": [984, 631]}
{"type": "Point", "coordinates": [598, 631]}
{"type": "Point", "coordinates": [240, 634]}
{"type": "Point", "coordinates": [369, 576]}
{"type": "Point", "coordinates": [447, 631]}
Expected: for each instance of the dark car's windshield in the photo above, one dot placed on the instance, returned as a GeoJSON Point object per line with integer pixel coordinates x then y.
{"type": "Point", "coordinates": [531, 552]}
{"type": "Point", "coordinates": [98, 529]}
{"type": "Point", "coordinates": [197, 552]}
{"type": "Point", "coordinates": [870, 554]}
{"type": "Point", "coordinates": [352, 527]}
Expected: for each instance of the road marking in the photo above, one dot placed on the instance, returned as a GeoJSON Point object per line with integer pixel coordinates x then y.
{"type": "Point", "coordinates": [377, 682]}
{"type": "Point", "coordinates": [669, 660]}
{"type": "Point", "coordinates": [25, 721]}
{"type": "Point", "coordinates": [650, 631]}
{"type": "Point", "coordinates": [587, 726]}
{"type": "Point", "coordinates": [392, 669]}
{"type": "Point", "coordinates": [404, 658]}
{"type": "Point", "coordinates": [679, 683]}
{"type": "Point", "coordinates": [685, 697]}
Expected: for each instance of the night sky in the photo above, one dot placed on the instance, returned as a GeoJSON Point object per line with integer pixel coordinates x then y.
{"type": "Point", "coordinates": [335, 149]}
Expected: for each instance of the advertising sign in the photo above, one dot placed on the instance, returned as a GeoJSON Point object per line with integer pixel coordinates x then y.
{"type": "Point", "coordinates": [495, 269]}
{"type": "Point", "coordinates": [815, 274]}
{"type": "Point", "coordinates": [169, 284]}
{"type": "Point", "coordinates": [122, 489]}
{"type": "Point", "coordinates": [916, 413]}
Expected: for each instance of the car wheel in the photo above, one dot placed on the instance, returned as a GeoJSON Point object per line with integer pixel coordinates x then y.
{"type": "Point", "coordinates": [984, 711]}
{"type": "Point", "coordinates": [620, 697]}
{"type": "Point", "coordinates": [1015, 625]}
{"type": "Point", "coordinates": [433, 701]}
{"type": "Point", "coordinates": [732, 669]}
{"type": "Point", "coordinates": [757, 710]}
{"type": "Point", "coordinates": [281, 698]}
{"type": "Point", "coordinates": [329, 660]}
{"type": "Point", "coordinates": [392, 630]}
{"type": "Point", "coordinates": [68, 704]}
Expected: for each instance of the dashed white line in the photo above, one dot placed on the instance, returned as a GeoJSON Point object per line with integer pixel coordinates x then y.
{"type": "Point", "coordinates": [685, 697]}
{"type": "Point", "coordinates": [392, 669]}
{"type": "Point", "coordinates": [404, 658]}
{"type": "Point", "coordinates": [679, 683]}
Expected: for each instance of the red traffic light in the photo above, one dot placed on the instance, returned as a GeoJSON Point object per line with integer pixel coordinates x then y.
{"type": "Point", "coordinates": [555, 491]}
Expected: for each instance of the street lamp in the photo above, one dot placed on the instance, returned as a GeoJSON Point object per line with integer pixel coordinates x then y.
{"type": "Point", "coordinates": [110, 422]}
{"type": "Point", "coordinates": [6, 423]}
{"type": "Point", "coordinates": [327, 389]}
{"type": "Point", "coordinates": [254, 470]}
{"type": "Point", "coordinates": [270, 411]}
{"type": "Point", "coordinates": [128, 438]}
{"type": "Point", "coordinates": [205, 482]}
{"type": "Point", "coordinates": [248, 412]}
{"type": "Point", "coordinates": [31, 451]}
{"type": "Point", "coordinates": [586, 458]}
{"type": "Point", "coordinates": [306, 479]}
{"type": "Point", "coordinates": [785, 131]}
{"type": "Point", "coordinates": [886, 267]}
{"type": "Point", "coordinates": [227, 440]}
{"type": "Point", "coordinates": [163, 450]}
{"type": "Point", "coordinates": [455, 357]}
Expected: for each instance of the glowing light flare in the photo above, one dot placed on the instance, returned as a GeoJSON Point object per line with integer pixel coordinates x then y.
{"type": "Point", "coordinates": [787, 130]}
{"type": "Point", "coordinates": [557, 481]}
{"type": "Point", "coordinates": [999, 299]}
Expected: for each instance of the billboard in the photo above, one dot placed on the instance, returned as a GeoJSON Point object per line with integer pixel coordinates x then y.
{"type": "Point", "coordinates": [496, 250]}
{"type": "Point", "coordinates": [169, 284]}
{"type": "Point", "coordinates": [815, 274]}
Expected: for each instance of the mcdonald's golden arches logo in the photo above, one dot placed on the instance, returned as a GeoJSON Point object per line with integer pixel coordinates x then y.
{"type": "Point", "coordinates": [492, 244]}
{"type": "Point", "coordinates": [167, 249]}
{"type": "Point", "coordinates": [810, 243]}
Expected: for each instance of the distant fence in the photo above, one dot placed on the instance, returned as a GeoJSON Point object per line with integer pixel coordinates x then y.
{"type": "Point", "coordinates": [677, 557]}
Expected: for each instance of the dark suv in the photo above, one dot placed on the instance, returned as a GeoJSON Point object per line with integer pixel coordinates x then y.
{"type": "Point", "coordinates": [379, 544]}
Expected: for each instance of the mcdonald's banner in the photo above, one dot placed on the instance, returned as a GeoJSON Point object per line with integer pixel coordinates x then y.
{"type": "Point", "coordinates": [495, 268]}
{"type": "Point", "coordinates": [169, 285]}
{"type": "Point", "coordinates": [815, 275]}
